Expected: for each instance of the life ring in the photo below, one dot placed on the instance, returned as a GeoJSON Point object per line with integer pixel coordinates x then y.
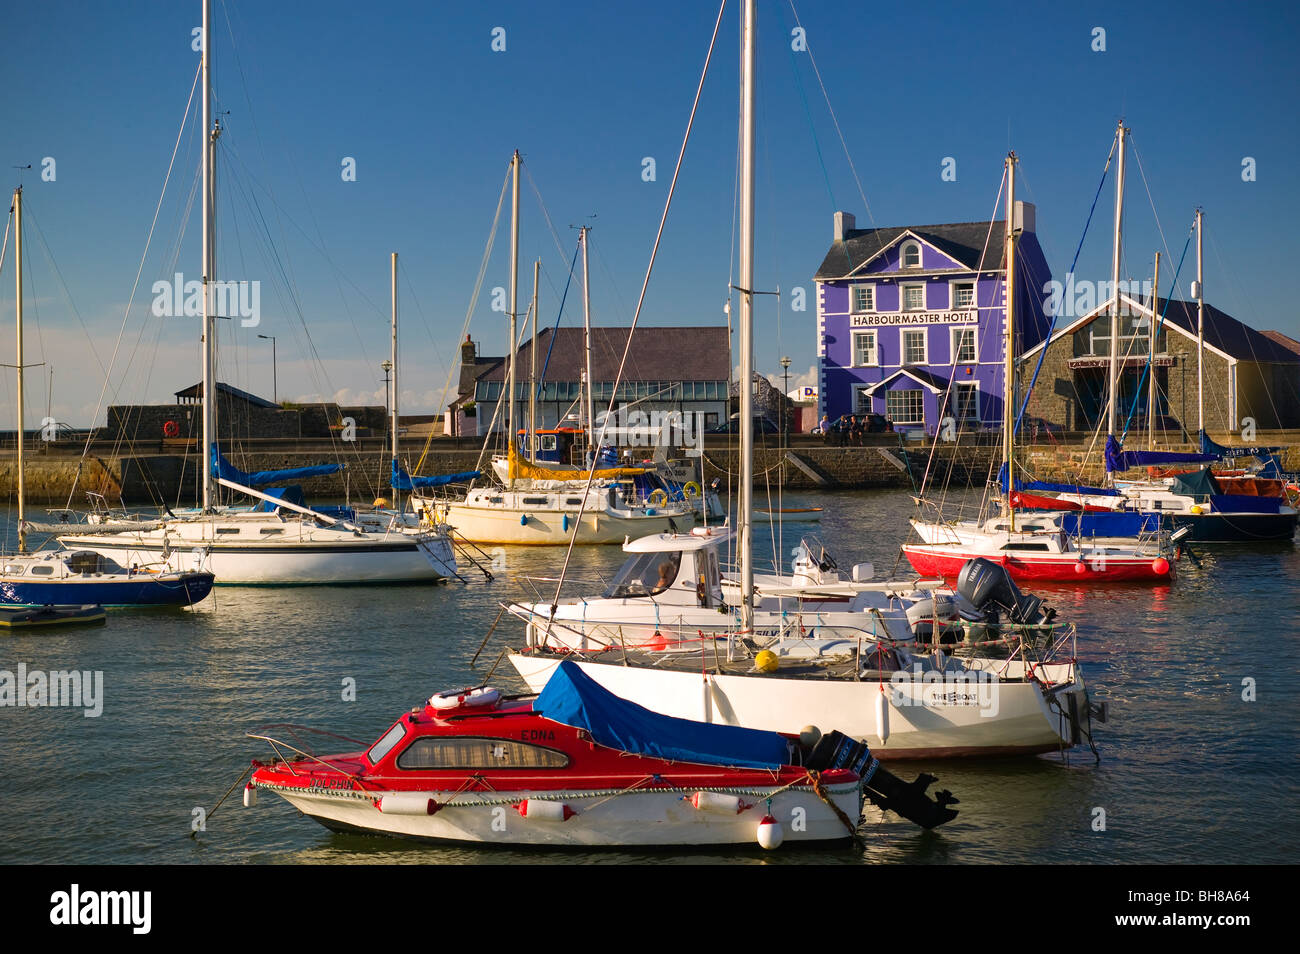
{"type": "Point", "coordinates": [483, 697]}
{"type": "Point", "coordinates": [171, 429]}
{"type": "Point", "coordinates": [692, 489]}
{"type": "Point", "coordinates": [659, 498]}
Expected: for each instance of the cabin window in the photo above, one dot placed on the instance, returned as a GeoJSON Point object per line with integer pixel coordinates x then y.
{"type": "Point", "coordinates": [269, 531]}
{"type": "Point", "coordinates": [386, 744]}
{"type": "Point", "coordinates": [535, 501]}
{"type": "Point", "coordinates": [646, 574]}
{"type": "Point", "coordinates": [1025, 546]}
{"type": "Point", "coordinates": [227, 530]}
{"type": "Point", "coordinates": [42, 570]}
{"type": "Point", "coordinates": [472, 753]}
{"type": "Point", "coordinates": [84, 561]}
{"type": "Point", "coordinates": [494, 500]}
{"type": "Point", "coordinates": [573, 501]}
{"type": "Point", "coordinates": [13, 569]}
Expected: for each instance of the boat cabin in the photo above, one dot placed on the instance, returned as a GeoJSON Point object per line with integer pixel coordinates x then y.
{"type": "Point", "coordinates": [680, 569]}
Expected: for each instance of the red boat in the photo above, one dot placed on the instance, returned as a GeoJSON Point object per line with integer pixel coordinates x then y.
{"type": "Point", "coordinates": [947, 561]}
{"type": "Point", "coordinates": [579, 766]}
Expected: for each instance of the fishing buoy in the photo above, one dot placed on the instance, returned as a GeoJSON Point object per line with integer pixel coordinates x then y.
{"type": "Point", "coordinates": [406, 803]}
{"type": "Point", "coordinates": [766, 661]}
{"type": "Point", "coordinates": [380, 502]}
{"type": "Point", "coordinates": [770, 833]}
{"type": "Point", "coordinates": [1197, 509]}
{"type": "Point", "coordinates": [535, 809]}
{"type": "Point", "coordinates": [718, 804]}
{"type": "Point", "coordinates": [882, 717]}
{"type": "Point", "coordinates": [809, 736]}
{"type": "Point", "coordinates": [250, 795]}
{"type": "Point", "coordinates": [1160, 566]}
{"type": "Point", "coordinates": [523, 520]}
{"type": "Point", "coordinates": [1081, 568]}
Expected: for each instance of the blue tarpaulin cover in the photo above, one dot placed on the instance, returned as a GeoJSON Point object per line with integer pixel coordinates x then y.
{"type": "Point", "coordinates": [1032, 485]}
{"type": "Point", "coordinates": [227, 471]}
{"type": "Point", "coordinates": [399, 479]}
{"type": "Point", "coordinates": [1243, 503]}
{"type": "Point", "coordinates": [1117, 459]}
{"type": "Point", "coordinates": [574, 698]}
{"type": "Point", "coordinates": [1118, 524]}
{"type": "Point", "coordinates": [1210, 447]}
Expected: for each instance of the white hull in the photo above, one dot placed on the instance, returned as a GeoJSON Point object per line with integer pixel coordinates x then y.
{"type": "Point", "coordinates": [924, 721]}
{"type": "Point", "coordinates": [535, 526]}
{"type": "Point", "coordinates": [604, 818]}
{"type": "Point", "coordinates": [299, 553]}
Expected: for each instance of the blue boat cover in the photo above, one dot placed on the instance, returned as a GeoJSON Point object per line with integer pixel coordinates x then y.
{"type": "Point", "coordinates": [227, 471]}
{"type": "Point", "coordinates": [1244, 503]}
{"type": "Point", "coordinates": [1210, 447]}
{"type": "Point", "coordinates": [399, 479]}
{"type": "Point", "coordinates": [291, 494]}
{"type": "Point", "coordinates": [574, 698]}
{"type": "Point", "coordinates": [1117, 459]}
{"type": "Point", "coordinates": [1053, 488]}
{"type": "Point", "coordinates": [1118, 524]}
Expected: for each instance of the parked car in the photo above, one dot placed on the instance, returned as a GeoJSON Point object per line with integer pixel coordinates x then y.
{"type": "Point", "coordinates": [762, 425]}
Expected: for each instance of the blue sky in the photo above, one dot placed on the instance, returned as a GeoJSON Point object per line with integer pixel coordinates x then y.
{"type": "Point", "coordinates": [416, 95]}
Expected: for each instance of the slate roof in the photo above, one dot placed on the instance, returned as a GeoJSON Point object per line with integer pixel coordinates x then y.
{"type": "Point", "coordinates": [657, 354]}
{"type": "Point", "coordinates": [195, 393]}
{"type": "Point", "coordinates": [1284, 340]}
{"type": "Point", "coordinates": [1229, 335]}
{"type": "Point", "coordinates": [933, 381]}
{"type": "Point", "coordinates": [963, 241]}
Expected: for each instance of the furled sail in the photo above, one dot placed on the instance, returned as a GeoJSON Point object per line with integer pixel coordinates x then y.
{"type": "Point", "coordinates": [225, 470]}
{"type": "Point", "coordinates": [1218, 450]}
{"type": "Point", "coordinates": [520, 469]}
{"type": "Point", "coordinates": [1117, 459]}
{"type": "Point", "coordinates": [399, 479]}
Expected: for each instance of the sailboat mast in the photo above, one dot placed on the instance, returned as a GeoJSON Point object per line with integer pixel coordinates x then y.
{"type": "Point", "coordinates": [514, 304]}
{"type": "Point", "coordinates": [209, 266]}
{"type": "Point", "coordinates": [746, 385]}
{"type": "Point", "coordinates": [589, 403]}
{"type": "Point", "coordinates": [1009, 344]}
{"type": "Point", "coordinates": [1200, 334]}
{"type": "Point", "coordinates": [392, 408]}
{"type": "Point", "coordinates": [1114, 286]}
{"type": "Point", "coordinates": [18, 298]}
{"type": "Point", "coordinates": [532, 371]}
{"type": "Point", "coordinates": [1151, 359]}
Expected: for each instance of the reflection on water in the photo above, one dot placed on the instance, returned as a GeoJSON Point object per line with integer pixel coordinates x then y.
{"type": "Point", "coordinates": [1189, 772]}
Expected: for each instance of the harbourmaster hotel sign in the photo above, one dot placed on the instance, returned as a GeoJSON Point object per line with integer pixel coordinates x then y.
{"type": "Point", "coordinates": [873, 320]}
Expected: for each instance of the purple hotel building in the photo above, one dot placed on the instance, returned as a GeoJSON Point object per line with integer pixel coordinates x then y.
{"type": "Point", "coordinates": [902, 313]}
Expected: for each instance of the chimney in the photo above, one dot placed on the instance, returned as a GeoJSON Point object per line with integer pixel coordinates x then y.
{"type": "Point", "coordinates": [844, 223]}
{"type": "Point", "coordinates": [468, 353]}
{"type": "Point", "coordinates": [1025, 216]}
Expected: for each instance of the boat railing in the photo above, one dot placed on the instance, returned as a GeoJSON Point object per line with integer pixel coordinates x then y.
{"type": "Point", "coordinates": [299, 734]}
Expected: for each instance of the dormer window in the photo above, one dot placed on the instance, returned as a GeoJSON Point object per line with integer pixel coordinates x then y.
{"type": "Point", "coordinates": [911, 255]}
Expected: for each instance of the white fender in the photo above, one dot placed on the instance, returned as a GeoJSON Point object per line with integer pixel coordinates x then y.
{"type": "Point", "coordinates": [250, 795]}
{"type": "Point", "coordinates": [536, 809]}
{"type": "Point", "coordinates": [882, 717]}
{"type": "Point", "coordinates": [770, 833]}
{"type": "Point", "coordinates": [406, 803]}
{"type": "Point", "coordinates": [718, 803]}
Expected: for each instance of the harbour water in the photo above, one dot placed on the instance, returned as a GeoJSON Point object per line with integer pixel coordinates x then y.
{"type": "Point", "coordinates": [1192, 770]}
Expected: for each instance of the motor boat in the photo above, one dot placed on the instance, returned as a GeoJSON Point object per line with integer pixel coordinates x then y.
{"type": "Point", "coordinates": [578, 766]}
{"type": "Point", "coordinates": [77, 577]}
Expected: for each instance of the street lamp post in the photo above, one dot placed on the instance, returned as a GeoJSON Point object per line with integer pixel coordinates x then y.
{"type": "Point", "coordinates": [388, 405]}
{"type": "Point", "coordinates": [785, 405]}
{"type": "Point", "coordinates": [275, 384]}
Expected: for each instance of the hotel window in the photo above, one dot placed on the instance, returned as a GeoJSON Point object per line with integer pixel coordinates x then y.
{"type": "Point", "coordinates": [913, 298]}
{"type": "Point", "coordinates": [862, 401]}
{"type": "Point", "coordinates": [905, 407]}
{"type": "Point", "coordinates": [963, 296]}
{"type": "Point", "coordinates": [963, 346]}
{"type": "Point", "coordinates": [864, 349]}
{"type": "Point", "coordinates": [911, 257]}
{"type": "Point", "coordinates": [966, 402]}
{"type": "Point", "coordinates": [914, 346]}
{"type": "Point", "coordinates": [864, 298]}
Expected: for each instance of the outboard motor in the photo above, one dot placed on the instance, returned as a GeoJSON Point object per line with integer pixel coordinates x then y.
{"type": "Point", "coordinates": [884, 789]}
{"type": "Point", "coordinates": [985, 590]}
{"type": "Point", "coordinates": [931, 612]}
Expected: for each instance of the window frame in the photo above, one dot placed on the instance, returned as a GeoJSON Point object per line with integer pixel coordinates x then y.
{"type": "Point", "coordinates": [889, 412]}
{"type": "Point", "coordinates": [903, 289]}
{"type": "Point", "coordinates": [970, 386]}
{"type": "Point", "coordinates": [903, 361]}
{"type": "Point", "coordinates": [952, 294]}
{"type": "Point", "coordinates": [902, 255]}
{"type": "Point", "coordinates": [853, 290]}
{"type": "Point", "coordinates": [565, 760]}
{"type": "Point", "coordinates": [954, 333]}
{"type": "Point", "coordinates": [875, 347]}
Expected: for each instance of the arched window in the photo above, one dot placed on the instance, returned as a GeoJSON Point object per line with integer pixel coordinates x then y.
{"type": "Point", "coordinates": [912, 255]}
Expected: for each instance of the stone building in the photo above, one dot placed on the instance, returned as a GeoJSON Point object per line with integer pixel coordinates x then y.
{"type": "Point", "coordinates": [1249, 376]}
